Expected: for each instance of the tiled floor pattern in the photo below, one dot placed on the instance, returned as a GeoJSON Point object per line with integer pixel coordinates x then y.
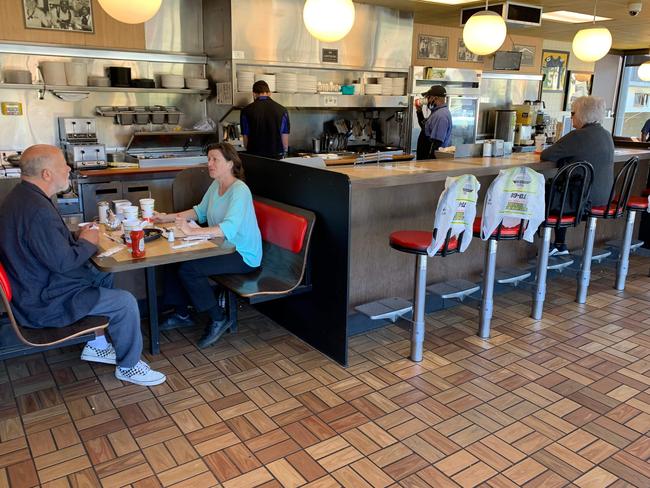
{"type": "Point", "coordinates": [561, 402]}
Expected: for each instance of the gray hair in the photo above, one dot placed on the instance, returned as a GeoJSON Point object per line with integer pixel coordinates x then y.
{"type": "Point", "coordinates": [589, 110]}
{"type": "Point", "coordinates": [32, 165]}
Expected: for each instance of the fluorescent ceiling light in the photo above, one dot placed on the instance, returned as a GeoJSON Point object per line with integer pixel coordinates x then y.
{"type": "Point", "coordinates": [448, 2]}
{"type": "Point", "coordinates": [571, 17]}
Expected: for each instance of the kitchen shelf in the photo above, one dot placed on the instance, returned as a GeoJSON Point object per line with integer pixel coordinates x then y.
{"type": "Point", "coordinates": [322, 100]}
{"type": "Point", "coordinates": [82, 89]}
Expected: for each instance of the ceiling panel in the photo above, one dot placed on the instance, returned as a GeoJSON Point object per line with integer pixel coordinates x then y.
{"type": "Point", "coordinates": [627, 32]}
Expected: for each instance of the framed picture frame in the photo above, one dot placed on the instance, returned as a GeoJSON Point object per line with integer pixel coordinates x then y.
{"type": "Point", "coordinates": [464, 55]}
{"type": "Point", "coordinates": [433, 47]}
{"type": "Point", "coordinates": [528, 53]}
{"type": "Point", "coordinates": [60, 15]}
{"type": "Point", "coordinates": [554, 70]}
{"type": "Point", "coordinates": [578, 85]}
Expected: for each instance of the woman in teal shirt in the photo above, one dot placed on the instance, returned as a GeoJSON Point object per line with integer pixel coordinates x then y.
{"type": "Point", "coordinates": [227, 208]}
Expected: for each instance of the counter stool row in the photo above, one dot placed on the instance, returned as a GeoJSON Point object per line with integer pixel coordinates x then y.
{"type": "Point", "coordinates": [573, 181]}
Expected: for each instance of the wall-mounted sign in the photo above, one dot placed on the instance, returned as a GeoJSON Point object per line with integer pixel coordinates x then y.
{"type": "Point", "coordinates": [330, 56]}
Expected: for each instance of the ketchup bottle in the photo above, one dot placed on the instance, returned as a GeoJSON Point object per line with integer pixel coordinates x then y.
{"type": "Point", "coordinates": [137, 243]}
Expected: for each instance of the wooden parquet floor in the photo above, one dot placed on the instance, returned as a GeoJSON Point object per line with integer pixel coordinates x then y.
{"type": "Point", "coordinates": [561, 402]}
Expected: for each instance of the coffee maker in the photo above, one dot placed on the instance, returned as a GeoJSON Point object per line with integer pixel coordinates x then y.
{"type": "Point", "coordinates": [524, 127]}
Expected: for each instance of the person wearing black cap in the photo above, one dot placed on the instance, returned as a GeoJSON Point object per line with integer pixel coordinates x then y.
{"type": "Point", "coordinates": [435, 129]}
{"type": "Point", "coordinates": [265, 124]}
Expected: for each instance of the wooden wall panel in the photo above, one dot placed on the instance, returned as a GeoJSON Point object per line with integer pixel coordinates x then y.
{"type": "Point", "coordinates": [455, 34]}
{"type": "Point", "coordinates": [108, 33]}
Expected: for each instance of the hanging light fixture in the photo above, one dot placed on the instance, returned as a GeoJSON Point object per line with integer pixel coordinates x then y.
{"type": "Point", "coordinates": [328, 20]}
{"type": "Point", "coordinates": [484, 32]}
{"type": "Point", "coordinates": [593, 43]}
{"type": "Point", "coordinates": [130, 11]}
{"type": "Point", "coordinates": [644, 71]}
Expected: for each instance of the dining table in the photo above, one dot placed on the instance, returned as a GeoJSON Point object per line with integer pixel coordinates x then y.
{"type": "Point", "coordinates": [158, 252]}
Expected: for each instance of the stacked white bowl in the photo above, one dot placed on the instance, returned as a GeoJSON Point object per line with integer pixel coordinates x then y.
{"type": "Point", "coordinates": [306, 83]}
{"type": "Point", "coordinates": [372, 89]}
{"type": "Point", "coordinates": [245, 80]}
{"type": "Point", "coordinates": [399, 86]}
{"type": "Point", "coordinates": [196, 83]}
{"type": "Point", "coordinates": [269, 78]}
{"type": "Point", "coordinates": [286, 82]}
{"type": "Point", "coordinates": [172, 81]}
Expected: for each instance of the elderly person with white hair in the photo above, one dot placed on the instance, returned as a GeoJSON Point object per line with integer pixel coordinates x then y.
{"type": "Point", "coordinates": [588, 142]}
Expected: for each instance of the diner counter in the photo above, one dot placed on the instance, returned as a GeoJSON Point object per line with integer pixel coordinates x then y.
{"type": "Point", "coordinates": [387, 174]}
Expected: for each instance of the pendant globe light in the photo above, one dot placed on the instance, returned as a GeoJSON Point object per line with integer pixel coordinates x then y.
{"type": "Point", "coordinates": [131, 11]}
{"type": "Point", "coordinates": [592, 44]}
{"type": "Point", "coordinates": [484, 32]}
{"type": "Point", "coordinates": [644, 71]}
{"type": "Point", "coordinates": [328, 20]}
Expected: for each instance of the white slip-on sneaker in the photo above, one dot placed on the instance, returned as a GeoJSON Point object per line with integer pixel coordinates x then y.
{"type": "Point", "coordinates": [140, 374]}
{"type": "Point", "coordinates": [106, 356]}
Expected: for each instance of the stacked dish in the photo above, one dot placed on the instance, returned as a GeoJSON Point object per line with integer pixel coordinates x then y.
{"type": "Point", "coordinates": [286, 82]}
{"type": "Point", "coordinates": [99, 81]}
{"type": "Point", "coordinates": [19, 76]}
{"type": "Point", "coordinates": [386, 85]}
{"type": "Point", "coordinates": [172, 81]}
{"type": "Point", "coordinates": [372, 89]}
{"type": "Point", "coordinates": [269, 78]}
{"type": "Point", "coordinates": [399, 86]}
{"type": "Point", "coordinates": [196, 83]}
{"type": "Point", "coordinates": [306, 83]}
{"type": "Point", "coordinates": [245, 80]}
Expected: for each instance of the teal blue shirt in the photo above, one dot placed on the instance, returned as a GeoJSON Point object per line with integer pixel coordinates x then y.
{"type": "Point", "coordinates": [234, 213]}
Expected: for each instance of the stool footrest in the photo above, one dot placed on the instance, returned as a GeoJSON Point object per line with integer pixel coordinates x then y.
{"type": "Point", "coordinates": [556, 263]}
{"type": "Point", "coordinates": [617, 244]}
{"type": "Point", "coordinates": [385, 309]}
{"type": "Point", "coordinates": [459, 289]}
{"type": "Point", "coordinates": [598, 254]}
{"type": "Point", "coordinates": [511, 276]}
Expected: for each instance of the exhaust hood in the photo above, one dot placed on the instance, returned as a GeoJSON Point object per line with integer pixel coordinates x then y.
{"type": "Point", "coordinates": [269, 37]}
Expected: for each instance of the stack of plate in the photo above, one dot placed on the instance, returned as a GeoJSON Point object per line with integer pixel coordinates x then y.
{"type": "Point", "coordinates": [245, 80]}
{"type": "Point", "coordinates": [172, 81]}
{"type": "Point", "coordinates": [306, 83]}
{"type": "Point", "coordinates": [399, 86]}
{"type": "Point", "coordinates": [269, 78]}
{"type": "Point", "coordinates": [386, 85]}
{"type": "Point", "coordinates": [196, 83]}
{"type": "Point", "coordinates": [373, 89]}
{"type": "Point", "coordinates": [286, 82]}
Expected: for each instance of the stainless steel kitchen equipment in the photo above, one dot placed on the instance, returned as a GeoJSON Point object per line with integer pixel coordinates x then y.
{"type": "Point", "coordinates": [462, 87]}
{"type": "Point", "coordinates": [504, 125]}
{"type": "Point", "coordinates": [78, 139]}
{"type": "Point", "coordinates": [173, 148]}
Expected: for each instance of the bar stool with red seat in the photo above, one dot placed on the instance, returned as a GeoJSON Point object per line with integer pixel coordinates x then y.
{"type": "Point", "coordinates": [423, 243]}
{"type": "Point", "coordinates": [523, 201]}
{"type": "Point", "coordinates": [571, 181]}
{"type": "Point", "coordinates": [634, 205]}
{"type": "Point", "coordinates": [616, 204]}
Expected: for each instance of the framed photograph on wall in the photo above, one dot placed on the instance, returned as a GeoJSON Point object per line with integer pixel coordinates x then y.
{"type": "Point", "coordinates": [578, 85]}
{"type": "Point", "coordinates": [465, 55]}
{"type": "Point", "coordinates": [64, 15]}
{"type": "Point", "coordinates": [433, 47]}
{"type": "Point", "coordinates": [554, 70]}
{"type": "Point", "coordinates": [527, 54]}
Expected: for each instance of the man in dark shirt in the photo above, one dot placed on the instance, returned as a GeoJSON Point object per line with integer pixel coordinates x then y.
{"type": "Point", "coordinates": [588, 142]}
{"type": "Point", "coordinates": [53, 281]}
{"type": "Point", "coordinates": [436, 129]}
{"type": "Point", "coordinates": [265, 124]}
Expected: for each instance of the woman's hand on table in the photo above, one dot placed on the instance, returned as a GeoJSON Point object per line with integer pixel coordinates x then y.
{"type": "Point", "coordinates": [162, 217]}
{"type": "Point", "coordinates": [185, 227]}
